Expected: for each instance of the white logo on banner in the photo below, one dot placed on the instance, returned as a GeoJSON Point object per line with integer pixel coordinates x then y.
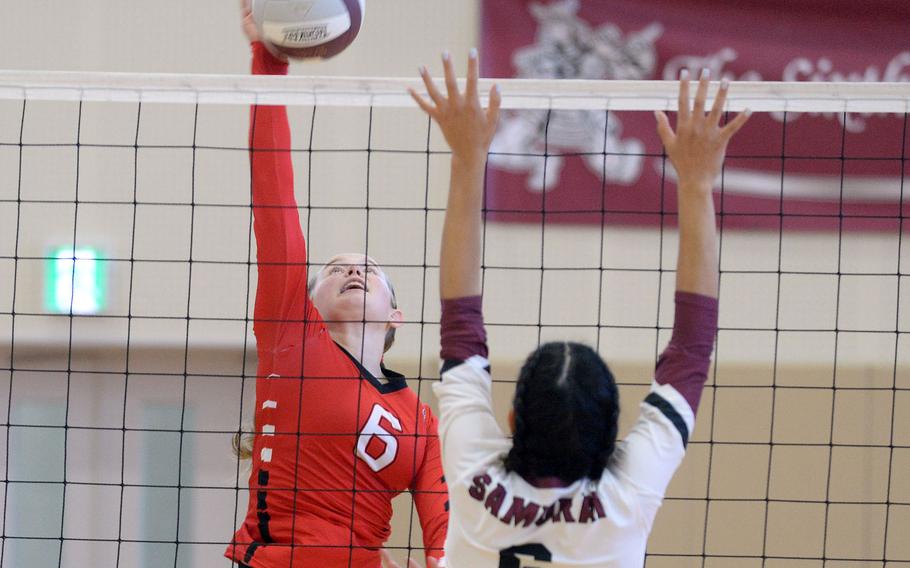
{"type": "Point", "coordinates": [567, 47]}
{"type": "Point", "coordinates": [799, 69]}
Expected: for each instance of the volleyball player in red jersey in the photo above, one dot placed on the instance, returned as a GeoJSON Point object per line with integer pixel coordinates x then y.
{"type": "Point", "coordinates": [337, 434]}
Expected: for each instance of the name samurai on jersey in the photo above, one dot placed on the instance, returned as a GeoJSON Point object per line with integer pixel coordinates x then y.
{"type": "Point", "coordinates": [524, 513]}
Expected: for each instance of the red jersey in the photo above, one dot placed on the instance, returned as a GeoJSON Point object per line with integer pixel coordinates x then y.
{"type": "Point", "coordinates": [334, 445]}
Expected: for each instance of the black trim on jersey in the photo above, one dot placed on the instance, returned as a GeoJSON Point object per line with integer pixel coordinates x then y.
{"type": "Point", "coordinates": [262, 510]}
{"type": "Point", "coordinates": [250, 551]}
{"type": "Point", "coordinates": [396, 380]}
{"type": "Point", "coordinates": [260, 500]}
{"type": "Point", "coordinates": [264, 519]}
{"type": "Point", "coordinates": [661, 404]}
{"type": "Point", "coordinates": [450, 364]}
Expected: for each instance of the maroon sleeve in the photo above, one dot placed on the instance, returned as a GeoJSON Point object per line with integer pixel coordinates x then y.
{"type": "Point", "coordinates": [280, 247]}
{"type": "Point", "coordinates": [431, 496]}
{"type": "Point", "coordinates": [684, 363]}
{"type": "Point", "coordinates": [463, 334]}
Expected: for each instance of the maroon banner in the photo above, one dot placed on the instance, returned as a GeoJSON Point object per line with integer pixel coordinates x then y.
{"type": "Point", "coordinates": [821, 171]}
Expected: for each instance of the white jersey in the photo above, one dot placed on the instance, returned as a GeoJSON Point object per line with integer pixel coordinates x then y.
{"type": "Point", "coordinates": [498, 519]}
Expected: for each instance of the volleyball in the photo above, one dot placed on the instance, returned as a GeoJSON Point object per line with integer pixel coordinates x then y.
{"type": "Point", "coordinates": [302, 29]}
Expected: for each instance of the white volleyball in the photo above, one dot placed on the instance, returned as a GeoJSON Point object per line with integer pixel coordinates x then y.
{"type": "Point", "coordinates": [309, 28]}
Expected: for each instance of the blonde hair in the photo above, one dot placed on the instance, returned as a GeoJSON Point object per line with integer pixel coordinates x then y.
{"type": "Point", "coordinates": [390, 334]}
{"type": "Point", "coordinates": [242, 444]}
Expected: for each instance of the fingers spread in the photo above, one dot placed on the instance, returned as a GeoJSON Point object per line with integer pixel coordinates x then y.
{"type": "Point", "coordinates": [702, 93]}
{"type": "Point", "coordinates": [683, 95]}
{"type": "Point", "coordinates": [431, 87]}
{"type": "Point", "coordinates": [494, 106]}
{"type": "Point", "coordinates": [451, 82]}
{"type": "Point", "coordinates": [422, 103]}
{"type": "Point", "coordinates": [663, 128]}
{"type": "Point", "coordinates": [473, 74]}
{"type": "Point", "coordinates": [734, 125]}
{"type": "Point", "coordinates": [718, 108]}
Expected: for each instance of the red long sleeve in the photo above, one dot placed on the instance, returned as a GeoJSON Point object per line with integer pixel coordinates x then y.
{"type": "Point", "coordinates": [317, 498]}
{"type": "Point", "coordinates": [431, 494]}
{"type": "Point", "coordinates": [281, 295]}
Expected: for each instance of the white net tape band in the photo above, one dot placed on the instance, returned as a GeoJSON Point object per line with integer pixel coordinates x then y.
{"type": "Point", "coordinates": [391, 92]}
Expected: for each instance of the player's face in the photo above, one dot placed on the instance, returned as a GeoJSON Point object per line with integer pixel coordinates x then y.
{"type": "Point", "coordinates": [353, 287]}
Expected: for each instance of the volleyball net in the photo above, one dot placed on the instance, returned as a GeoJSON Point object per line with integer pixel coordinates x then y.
{"type": "Point", "coordinates": [128, 271]}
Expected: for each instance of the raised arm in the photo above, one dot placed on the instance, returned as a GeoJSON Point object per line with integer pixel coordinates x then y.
{"type": "Point", "coordinates": [280, 247]}
{"type": "Point", "coordinates": [696, 149]}
{"type": "Point", "coordinates": [468, 129]}
{"type": "Point", "coordinates": [655, 447]}
{"type": "Point", "coordinates": [465, 403]}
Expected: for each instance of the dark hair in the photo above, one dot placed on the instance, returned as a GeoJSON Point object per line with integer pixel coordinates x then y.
{"type": "Point", "coordinates": [566, 414]}
{"type": "Point", "coordinates": [390, 334]}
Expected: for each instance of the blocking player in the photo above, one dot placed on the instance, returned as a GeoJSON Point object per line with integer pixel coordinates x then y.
{"type": "Point", "coordinates": [563, 491]}
{"type": "Point", "coordinates": [338, 435]}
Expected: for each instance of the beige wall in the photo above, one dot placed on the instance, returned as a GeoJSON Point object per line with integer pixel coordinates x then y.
{"type": "Point", "coordinates": [203, 36]}
{"type": "Point", "coordinates": [779, 431]}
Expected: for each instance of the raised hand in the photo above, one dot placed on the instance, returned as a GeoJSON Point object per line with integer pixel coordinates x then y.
{"type": "Point", "coordinates": [698, 146]}
{"type": "Point", "coordinates": [467, 126]}
{"type": "Point", "coordinates": [697, 151]}
{"type": "Point", "coordinates": [251, 30]}
{"type": "Point", "coordinates": [248, 23]}
{"type": "Point", "coordinates": [468, 129]}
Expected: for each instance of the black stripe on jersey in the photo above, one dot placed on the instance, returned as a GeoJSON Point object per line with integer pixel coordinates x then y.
{"type": "Point", "coordinates": [262, 510]}
{"type": "Point", "coordinates": [396, 381]}
{"type": "Point", "coordinates": [260, 500]}
{"type": "Point", "coordinates": [661, 404]}
{"type": "Point", "coordinates": [264, 519]}
{"type": "Point", "coordinates": [250, 551]}
{"type": "Point", "coordinates": [450, 364]}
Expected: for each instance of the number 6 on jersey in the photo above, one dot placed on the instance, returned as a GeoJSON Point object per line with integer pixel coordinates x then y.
{"type": "Point", "coordinates": [373, 428]}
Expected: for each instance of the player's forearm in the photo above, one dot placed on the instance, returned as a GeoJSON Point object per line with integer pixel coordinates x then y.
{"type": "Point", "coordinates": [434, 531]}
{"type": "Point", "coordinates": [461, 235]}
{"type": "Point", "coordinates": [270, 140]}
{"type": "Point", "coordinates": [697, 263]}
{"type": "Point", "coordinates": [280, 247]}
{"type": "Point", "coordinates": [264, 63]}
{"type": "Point", "coordinates": [684, 363]}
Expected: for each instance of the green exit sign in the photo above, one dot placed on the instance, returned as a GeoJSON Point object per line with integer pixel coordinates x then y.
{"type": "Point", "coordinates": [75, 282]}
